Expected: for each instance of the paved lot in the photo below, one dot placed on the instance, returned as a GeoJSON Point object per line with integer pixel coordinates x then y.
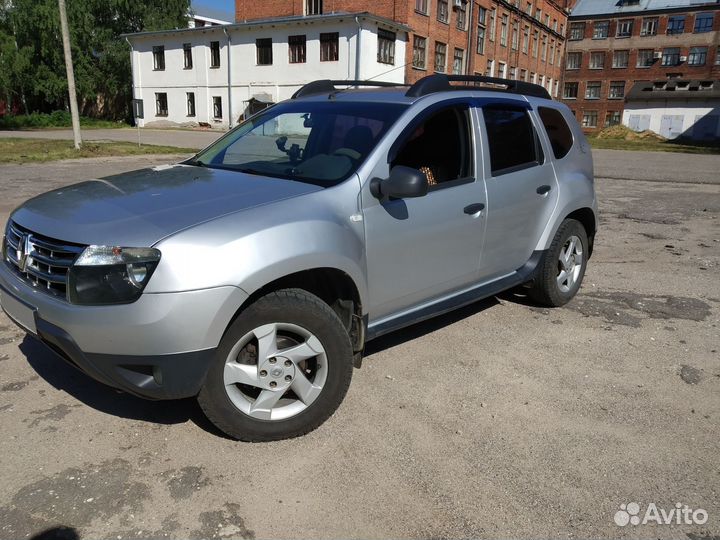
{"type": "Point", "coordinates": [501, 420]}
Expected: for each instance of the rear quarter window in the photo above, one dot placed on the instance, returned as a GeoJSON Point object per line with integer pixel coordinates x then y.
{"type": "Point", "coordinates": [561, 138]}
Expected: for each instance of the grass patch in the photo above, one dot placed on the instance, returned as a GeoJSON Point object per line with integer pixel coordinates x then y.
{"type": "Point", "coordinates": [649, 145]}
{"type": "Point", "coordinates": [56, 119]}
{"type": "Point", "coordinates": [14, 150]}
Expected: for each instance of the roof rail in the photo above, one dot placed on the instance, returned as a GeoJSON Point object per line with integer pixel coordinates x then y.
{"type": "Point", "coordinates": [327, 86]}
{"type": "Point", "coordinates": [441, 83]}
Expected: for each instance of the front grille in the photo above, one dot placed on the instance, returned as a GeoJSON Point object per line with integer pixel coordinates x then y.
{"type": "Point", "coordinates": [41, 261]}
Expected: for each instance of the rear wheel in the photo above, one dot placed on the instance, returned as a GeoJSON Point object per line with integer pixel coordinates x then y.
{"type": "Point", "coordinates": [562, 268]}
{"type": "Point", "coordinates": [282, 368]}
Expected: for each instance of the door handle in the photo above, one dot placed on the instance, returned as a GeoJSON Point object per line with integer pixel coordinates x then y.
{"type": "Point", "coordinates": [542, 190]}
{"type": "Point", "coordinates": [474, 208]}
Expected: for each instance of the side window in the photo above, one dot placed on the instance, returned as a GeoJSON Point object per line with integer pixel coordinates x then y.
{"type": "Point", "coordinates": [558, 132]}
{"type": "Point", "coordinates": [440, 146]}
{"type": "Point", "coordinates": [512, 140]}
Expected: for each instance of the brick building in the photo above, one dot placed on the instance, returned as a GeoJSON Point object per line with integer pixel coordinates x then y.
{"type": "Point", "coordinates": [612, 45]}
{"type": "Point", "coordinates": [517, 39]}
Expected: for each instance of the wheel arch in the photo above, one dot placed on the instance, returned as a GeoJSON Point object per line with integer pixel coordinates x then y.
{"type": "Point", "coordinates": [586, 217]}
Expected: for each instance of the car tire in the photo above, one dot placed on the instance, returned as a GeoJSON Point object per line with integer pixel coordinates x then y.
{"type": "Point", "coordinates": [271, 344]}
{"type": "Point", "coordinates": [562, 267]}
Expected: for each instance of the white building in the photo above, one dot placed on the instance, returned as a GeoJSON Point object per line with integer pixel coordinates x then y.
{"type": "Point", "coordinates": [675, 108]}
{"type": "Point", "coordinates": [216, 75]}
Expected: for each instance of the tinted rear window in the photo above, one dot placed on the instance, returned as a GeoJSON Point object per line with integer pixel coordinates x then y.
{"type": "Point", "coordinates": [512, 139]}
{"type": "Point", "coordinates": [558, 131]}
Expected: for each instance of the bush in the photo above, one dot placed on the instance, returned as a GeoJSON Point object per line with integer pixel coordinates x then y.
{"type": "Point", "coordinates": [55, 119]}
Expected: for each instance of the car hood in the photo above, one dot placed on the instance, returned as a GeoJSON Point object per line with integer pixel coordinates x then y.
{"type": "Point", "coordinates": [142, 207]}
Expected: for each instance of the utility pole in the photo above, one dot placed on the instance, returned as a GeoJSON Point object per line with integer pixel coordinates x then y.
{"type": "Point", "coordinates": [70, 75]}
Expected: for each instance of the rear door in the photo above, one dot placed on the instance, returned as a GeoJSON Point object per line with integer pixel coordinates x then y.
{"type": "Point", "coordinates": [522, 190]}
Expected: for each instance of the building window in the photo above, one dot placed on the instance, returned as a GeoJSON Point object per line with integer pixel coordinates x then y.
{"type": "Point", "coordinates": [570, 90]}
{"type": "Point", "coordinates": [421, 6]}
{"type": "Point", "coordinates": [589, 119]}
{"type": "Point", "coordinates": [671, 56]}
{"type": "Point", "coordinates": [502, 70]}
{"type": "Point", "coordinates": [329, 47]}
{"type": "Point", "coordinates": [645, 57]}
{"type": "Point", "coordinates": [190, 99]}
{"type": "Point", "coordinates": [214, 54]}
{"type": "Point", "coordinates": [552, 52]}
{"type": "Point", "coordinates": [504, 30]}
{"type": "Point", "coordinates": [297, 48]}
{"type": "Point", "coordinates": [649, 26]}
{"type": "Point", "coordinates": [574, 59]}
{"type": "Point", "coordinates": [161, 108]}
{"type": "Point", "coordinates": [676, 25]}
{"type": "Point", "coordinates": [493, 22]}
{"type": "Point", "coordinates": [313, 7]}
{"type": "Point", "coordinates": [528, 8]}
{"type": "Point", "coordinates": [443, 12]}
{"type": "Point", "coordinates": [601, 29]}
{"type": "Point", "coordinates": [462, 16]}
{"type": "Point", "coordinates": [526, 39]}
{"type": "Point", "coordinates": [217, 107]}
{"type": "Point", "coordinates": [533, 77]}
{"type": "Point", "coordinates": [187, 56]}
{"type": "Point", "coordinates": [703, 22]}
{"type": "Point", "coordinates": [458, 62]}
{"type": "Point", "coordinates": [697, 56]}
{"type": "Point", "coordinates": [523, 75]}
{"type": "Point", "coordinates": [543, 53]}
{"type": "Point", "coordinates": [513, 73]}
{"type": "Point", "coordinates": [624, 28]}
{"type": "Point", "coordinates": [536, 38]}
{"type": "Point", "coordinates": [440, 57]}
{"type": "Point", "coordinates": [159, 58]}
{"type": "Point", "coordinates": [717, 57]}
{"type": "Point", "coordinates": [592, 90]}
{"type": "Point", "coordinates": [515, 40]}
{"type": "Point", "coordinates": [263, 49]}
{"type": "Point", "coordinates": [481, 39]}
{"type": "Point", "coordinates": [577, 31]}
{"type": "Point", "coordinates": [621, 59]}
{"type": "Point", "coordinates": [482, 15]}
{"type": "Point", "coordinates": [612, 118]}
{"type": "Point", "coordinates": [538, 14]}
{"type": "Point", "coordinates": [419, 52]}
{"type": "Point", "coordinates": [490, 70]}
{"type": "Point", "coordinates": [386, 47]}
{"type": "Point", "coordinates": [597, 60]}
{"type": "Point", "coordinates": [617, 90]}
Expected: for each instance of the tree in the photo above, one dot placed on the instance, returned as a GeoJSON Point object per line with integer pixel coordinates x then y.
{"type": "Point", "coordinates": [31, 58]}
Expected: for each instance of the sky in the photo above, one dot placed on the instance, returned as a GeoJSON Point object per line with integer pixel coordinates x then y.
{"type": "Point", "coordinates": [226, 7]}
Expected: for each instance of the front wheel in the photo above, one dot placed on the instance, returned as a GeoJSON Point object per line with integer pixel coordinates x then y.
{"type": "Point", "coordinates": [282, 369]}
{"type": "Point", "coordinates": [562, 267]}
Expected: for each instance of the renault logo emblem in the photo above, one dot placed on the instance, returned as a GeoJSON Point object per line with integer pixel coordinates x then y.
{"type": "Point", "coordinates": [23, 252]}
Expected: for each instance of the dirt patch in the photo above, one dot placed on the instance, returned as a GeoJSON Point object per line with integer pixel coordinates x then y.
{"type": "Point", "coordinates": [74, 497]}
{"type": "Point", "coordinates": [223, 524]}
{"type": "Point", "coordinates": [53, 414]}
{"type": "Point", "coordinates": [183, 483]}
{"type": "Point", "coordinates": [629, 309]}
{"type": "Point", "coordinates": [690, 374]}
{"type": "Point", "coordinates": [18, 385]}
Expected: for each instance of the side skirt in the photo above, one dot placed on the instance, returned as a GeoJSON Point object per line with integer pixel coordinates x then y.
{"type": "Point", "coordinates": [444, 305]}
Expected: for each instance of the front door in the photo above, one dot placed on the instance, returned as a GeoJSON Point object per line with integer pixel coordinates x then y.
{"type": "Point", "coordinates": [423, 248]}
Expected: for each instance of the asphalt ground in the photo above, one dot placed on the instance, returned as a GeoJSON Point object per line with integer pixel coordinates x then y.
{"type": "Point", "coordinates": [500, 420]}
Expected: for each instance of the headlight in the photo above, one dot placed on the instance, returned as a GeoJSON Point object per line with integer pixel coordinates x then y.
{"type": "Point", "coordinates": [111, 275]}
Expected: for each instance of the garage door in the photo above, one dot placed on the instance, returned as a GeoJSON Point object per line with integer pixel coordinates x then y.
{"type": "Point", "coordinates": [671, 125]}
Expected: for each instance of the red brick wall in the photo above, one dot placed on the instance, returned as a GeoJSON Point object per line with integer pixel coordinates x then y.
{"type": "Point", "coordinates": [633, 73]}
{"type": "Point", "coordinates": [262, 9]}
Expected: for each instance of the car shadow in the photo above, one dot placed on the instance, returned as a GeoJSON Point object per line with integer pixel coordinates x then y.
{"type": "Point", "coordinates": [62, 376]}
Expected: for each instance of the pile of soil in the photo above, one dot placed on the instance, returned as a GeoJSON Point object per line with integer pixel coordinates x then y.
{"type": "Point", "coordinates": [621, 132]}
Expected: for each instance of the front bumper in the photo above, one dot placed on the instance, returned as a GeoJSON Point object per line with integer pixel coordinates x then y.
{"type": "Point", "coordinates": [158, 347]}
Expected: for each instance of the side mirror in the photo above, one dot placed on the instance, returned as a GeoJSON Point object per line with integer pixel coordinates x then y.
{"type": "Point", "coordinates": [403, 183]}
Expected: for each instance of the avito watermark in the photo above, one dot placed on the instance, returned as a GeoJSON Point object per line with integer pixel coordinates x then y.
{"type": "Point", "coordinates": [680, 514]}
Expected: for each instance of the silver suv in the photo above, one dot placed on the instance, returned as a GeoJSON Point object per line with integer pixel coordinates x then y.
{"type": "Point", "coordinates": [252, 275]}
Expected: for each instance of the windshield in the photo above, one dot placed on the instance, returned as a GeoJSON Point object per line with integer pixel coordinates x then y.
{"type": "Point", "coordinates": [320, 143]}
